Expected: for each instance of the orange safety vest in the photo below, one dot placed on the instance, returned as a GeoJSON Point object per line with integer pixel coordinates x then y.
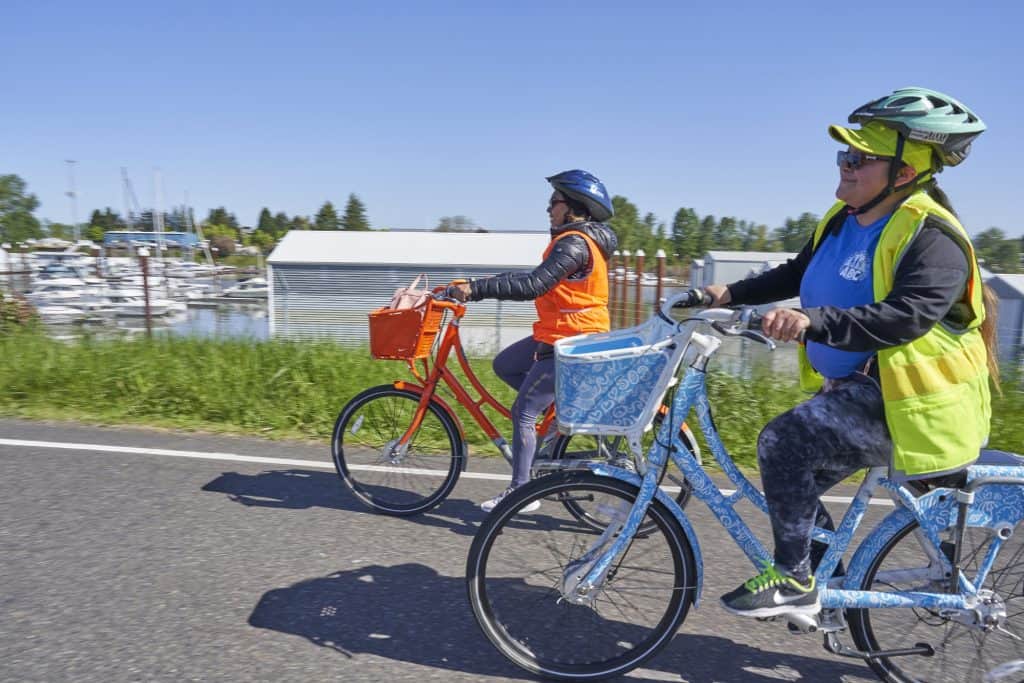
{"type": "Point", "coordinates": [574, 306]}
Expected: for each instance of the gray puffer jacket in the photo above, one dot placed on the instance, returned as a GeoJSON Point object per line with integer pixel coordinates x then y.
{"type": "Point", "coordinates": [569, 259]}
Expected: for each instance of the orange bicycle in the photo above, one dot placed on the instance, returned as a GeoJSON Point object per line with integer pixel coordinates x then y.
{"type": "Point", "coordinates": [400, 447]}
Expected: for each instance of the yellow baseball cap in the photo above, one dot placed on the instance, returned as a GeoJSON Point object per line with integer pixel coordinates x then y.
{"type": "Point", "coordinates": [877, 138]}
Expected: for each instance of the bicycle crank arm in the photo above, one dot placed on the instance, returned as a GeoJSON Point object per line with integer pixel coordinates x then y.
{"type": "Point", "coordinates": [833, 645]}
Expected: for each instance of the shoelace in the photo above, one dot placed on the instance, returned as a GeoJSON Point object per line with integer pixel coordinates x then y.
{"type": "Point", "coordinates": [769, 577]}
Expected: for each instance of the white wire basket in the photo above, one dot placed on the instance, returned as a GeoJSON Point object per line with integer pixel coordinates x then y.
{"type": "Point", "coordinates": [614, 382]}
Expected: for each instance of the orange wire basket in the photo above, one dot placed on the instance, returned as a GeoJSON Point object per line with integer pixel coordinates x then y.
{"type": "Point", "coordinates": [404, 333]}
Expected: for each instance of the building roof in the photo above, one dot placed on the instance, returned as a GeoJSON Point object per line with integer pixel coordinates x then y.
{"type": "Point", "coordinates": [1007, 286]}
{"type": "Point", "coordinates": [751, 256]}
{"type": "Point", "coordinates": [512, 249]}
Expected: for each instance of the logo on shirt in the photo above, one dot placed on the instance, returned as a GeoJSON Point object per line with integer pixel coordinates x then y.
{"type": "Point", "coordinates": [855, 268]}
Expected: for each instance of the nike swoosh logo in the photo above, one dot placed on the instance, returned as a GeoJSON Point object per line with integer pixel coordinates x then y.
{"type": "Point", "coordinates": [780, 599]}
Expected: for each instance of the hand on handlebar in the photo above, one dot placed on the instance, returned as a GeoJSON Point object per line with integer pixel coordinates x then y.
{"type": "Point", "coordinates": [785, 324]}
{"type": "Point", "coordinates": [458, 290]}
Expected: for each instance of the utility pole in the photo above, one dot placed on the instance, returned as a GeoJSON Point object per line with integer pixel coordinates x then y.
{"type": "Point", "coordinates": [74, 198]}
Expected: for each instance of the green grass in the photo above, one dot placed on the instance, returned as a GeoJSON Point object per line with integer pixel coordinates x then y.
{"type": "Point", "coordinates": [296, 389]}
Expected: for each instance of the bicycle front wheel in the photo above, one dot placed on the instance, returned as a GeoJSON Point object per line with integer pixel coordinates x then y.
{"type": "Point", "coordinates": [390, 477]}
{"type": "Point", "coordinates": [964, 652]}
{"type": "Point", "coordinates": [516, 566]}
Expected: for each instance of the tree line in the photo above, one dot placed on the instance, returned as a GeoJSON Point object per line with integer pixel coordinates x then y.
{"type": "Point", "coordinates": [688, 236]}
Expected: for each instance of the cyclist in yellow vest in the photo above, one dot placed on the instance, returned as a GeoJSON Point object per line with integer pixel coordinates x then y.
{"type": "Point", "coordinates": [570, 291]}
{"type": "Point", "coordinates": [896, 339]}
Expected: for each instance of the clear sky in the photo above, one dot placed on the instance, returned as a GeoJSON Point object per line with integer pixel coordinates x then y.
{"type": "Point", "coordinates": [430, 109]}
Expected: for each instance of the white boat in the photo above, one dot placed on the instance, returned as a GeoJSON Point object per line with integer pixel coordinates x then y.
{"type": "Point", "coordinates": [55, 314]}
{"type": "Point", "coordinates": [65, 290]}
{"type": "Point", "coordinates": [189, 270]}
{"type": "Point", "coordinates": [253, 288]}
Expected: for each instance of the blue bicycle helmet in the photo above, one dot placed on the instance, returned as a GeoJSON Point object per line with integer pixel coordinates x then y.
{"type": "Point", "coordinates": [586, 189]}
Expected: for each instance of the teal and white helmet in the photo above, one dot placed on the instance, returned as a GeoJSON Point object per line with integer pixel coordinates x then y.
{"type": "Point", "coordinates": [927, 116]}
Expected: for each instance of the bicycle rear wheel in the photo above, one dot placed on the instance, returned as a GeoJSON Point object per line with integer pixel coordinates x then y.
{"type": "Point", "coordinates": [516, 566]}
{"type": "Point", "coordinates": [963, 652]}
{"type": "Point", "coordinates": [383, 475]}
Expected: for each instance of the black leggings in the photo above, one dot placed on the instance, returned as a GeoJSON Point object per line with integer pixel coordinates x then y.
{"type": "Point", "coordinates": [810, 449]}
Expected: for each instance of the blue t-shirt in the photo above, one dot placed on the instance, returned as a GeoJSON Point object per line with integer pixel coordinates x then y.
{"type": "Point", "coordinates": [840, 275]}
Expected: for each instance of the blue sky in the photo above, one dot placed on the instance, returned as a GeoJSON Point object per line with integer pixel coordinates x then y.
{"type": "Point", "coordinates": [435, 109]}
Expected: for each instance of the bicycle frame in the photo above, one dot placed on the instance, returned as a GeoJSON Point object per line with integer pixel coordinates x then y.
{"type": "Point", "coordinates": [441, 373]}
{"type": "Point", "coordinates": [935, 511]}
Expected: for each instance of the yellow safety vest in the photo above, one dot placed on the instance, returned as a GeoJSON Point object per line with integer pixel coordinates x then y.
{"type": "Point", "coordinates": [935, 388]}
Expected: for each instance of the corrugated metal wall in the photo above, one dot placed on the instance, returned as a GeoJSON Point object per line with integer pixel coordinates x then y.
{"type": "Point", "coordinates": [332, 301]}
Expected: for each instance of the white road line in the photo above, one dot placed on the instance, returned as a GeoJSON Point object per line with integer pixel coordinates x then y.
{"type": "Point", "coordinates": [317, 464]}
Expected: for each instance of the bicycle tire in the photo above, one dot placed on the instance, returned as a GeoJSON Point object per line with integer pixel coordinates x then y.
{"type": "Point", "coordinates": [516, 563]}
{"type": "Point", "coordinates": [962, 653]}
{"type": "Point", "coordinates": [361, 445]}
{"type": "Point", "coordinates": [610, 448]}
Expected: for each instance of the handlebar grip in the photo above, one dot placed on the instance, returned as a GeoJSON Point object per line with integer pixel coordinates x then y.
{"type": "Point", "coordinates": [695, 297]}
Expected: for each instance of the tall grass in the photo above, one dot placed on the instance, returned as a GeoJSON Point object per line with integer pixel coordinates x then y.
{"type": "Point", "coordinates": [296, 389]}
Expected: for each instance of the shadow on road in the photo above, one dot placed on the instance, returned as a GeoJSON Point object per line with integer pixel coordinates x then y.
{"type": "Point", "coordinates": [302, 489]}
{"type": "Point", "coordinates": [410, 613]}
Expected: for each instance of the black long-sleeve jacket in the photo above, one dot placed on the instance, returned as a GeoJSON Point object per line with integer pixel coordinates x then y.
{"type": "Point", "coordinates": [569, 258]}
{"type": "Point", "coordinates": [928, 287]}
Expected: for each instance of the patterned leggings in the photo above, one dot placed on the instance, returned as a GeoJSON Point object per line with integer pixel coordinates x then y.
{"type": "Point", "coordinates": [534, 379]}
{"type": "Point", "coordinates": [808, 450]}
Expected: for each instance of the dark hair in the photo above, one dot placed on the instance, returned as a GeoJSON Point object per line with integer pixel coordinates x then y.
{"type": "Point", "coordinates": [940, 197]}
{"type": "Point", "coordinates": [577, 209]}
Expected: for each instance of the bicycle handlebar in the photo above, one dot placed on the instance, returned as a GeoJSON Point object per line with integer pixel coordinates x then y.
{"type": "Point", "coordinates": [742, 321]}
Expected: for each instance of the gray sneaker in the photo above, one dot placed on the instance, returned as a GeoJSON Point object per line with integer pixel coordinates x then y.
{"type": "Point", "coordinates": [489, 505]}
{"type": "Point", "coordinates": [772, 593]}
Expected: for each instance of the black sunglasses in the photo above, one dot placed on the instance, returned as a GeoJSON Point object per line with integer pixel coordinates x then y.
{"type": "Point", "coordinates": [554, 202]}
{"type": "Point", "coordinates": [855, 159]}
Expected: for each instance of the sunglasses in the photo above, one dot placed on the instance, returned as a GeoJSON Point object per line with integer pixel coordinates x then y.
{"type": "Point", "coordinates": [555, 202]}
{"type": "Point", "coordinates": [855, 159]}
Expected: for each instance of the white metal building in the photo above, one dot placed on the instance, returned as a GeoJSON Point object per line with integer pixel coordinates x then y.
{"type": "Point", "coordinates": [323, 283]}
{"type": "Point", "coordinates": [1010, 328]}
{"type": "Point", "coordinates": [723, 267]}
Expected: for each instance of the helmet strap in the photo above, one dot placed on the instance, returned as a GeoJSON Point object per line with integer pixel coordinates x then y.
{"type": "Point", "coordinates": [890, 187]}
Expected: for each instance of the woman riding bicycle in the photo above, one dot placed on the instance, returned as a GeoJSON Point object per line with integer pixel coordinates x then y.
{"type": "Point", "coordinates": [570, 290]}
{"type": "Point", "coordinates": [892, 313]}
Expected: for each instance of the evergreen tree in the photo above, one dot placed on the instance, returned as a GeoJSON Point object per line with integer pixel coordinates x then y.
{"type": "Point", "coordinates": [685, 229]}
{"type": "Point", "coordinates": [299, 223]}
{"type": "Point", "coordinates": [793, 235]}
{"type": "Point", "coordinates": [627, 224]}
{"type": "Point", "coordinates": [266, 223]}
{"type": "Point", "coordinates": [996, 252]}
{"type": "Point", "coordinates": [220, 216]}
{"type": "Point", "coordinates": [726, 235]}
{"type": "Point", "coordinates": [354, 217]}
{"type": "Point", "coordinates": [102, 222]}
{"type": "Point", "coordinates": [17, 223]}
{"type": "Point", "coordinates": [457, 224]}
{"type": "Point", "coordinates": [706, 236]}
{"type": "Point", "coordinates": [280, 222]}
{"type": "Point", "coordinates": [327, 218]}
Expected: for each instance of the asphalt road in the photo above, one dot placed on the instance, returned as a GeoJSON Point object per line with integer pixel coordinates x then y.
{"type": "Point", "coordinates": [124, 566]}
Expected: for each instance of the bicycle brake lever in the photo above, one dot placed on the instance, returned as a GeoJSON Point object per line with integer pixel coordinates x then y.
{"type": "Point", "coordinates": [758, 337]}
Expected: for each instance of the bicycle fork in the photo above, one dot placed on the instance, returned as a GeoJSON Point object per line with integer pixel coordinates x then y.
{"type": "Point", "coordinates": [583, 579]}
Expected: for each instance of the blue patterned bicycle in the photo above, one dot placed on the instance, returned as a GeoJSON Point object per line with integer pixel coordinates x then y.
{"type": "Point", "coordinates": [934, 593]}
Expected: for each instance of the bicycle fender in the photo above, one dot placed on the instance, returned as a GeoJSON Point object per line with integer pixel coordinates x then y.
{"type": "Point", "coordinates": [603, 470]}
{"type": "Point", "coordinates": [993, 506]}
{"type": "Point", "coordinates": [418, 390]}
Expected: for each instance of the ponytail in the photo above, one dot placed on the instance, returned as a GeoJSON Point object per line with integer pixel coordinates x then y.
{"type": "Point", "coordinates": [988, 334]}
{"type": "Point", "coordinates": [935, 192]}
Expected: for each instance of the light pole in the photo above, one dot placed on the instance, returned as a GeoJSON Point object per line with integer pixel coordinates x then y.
{"type": "Point", "coordinates": [74, 199]}
{"type": "Point", "coordinates": [144, 264]}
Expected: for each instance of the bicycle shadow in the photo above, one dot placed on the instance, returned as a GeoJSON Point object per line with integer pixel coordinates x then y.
{"type": "Point", "coordinates": [296, 489]}
{"type": "Point", "coordinates": [411, 613]}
